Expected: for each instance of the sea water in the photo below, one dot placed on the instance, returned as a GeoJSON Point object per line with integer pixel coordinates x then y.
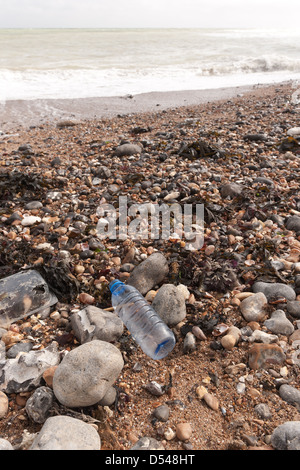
{"type": "Point", "coordinates": [81, 63]}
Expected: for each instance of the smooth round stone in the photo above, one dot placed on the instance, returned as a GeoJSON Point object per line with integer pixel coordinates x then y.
{"type": "Point", "coordinates": [253, 307]}
{"type": "Point", "coordinates": [109, 398]}
{"type": "Point", "coordinates": [231, 190]}
{"type": "Point", "coordinates": [169, 304]}
{"type": "Point", "coordinates": [66, 433]}
{"type": "Point", "coordinates": [149, 273]}
{"type": "Point", "coordinates": [211, 401]}
{"type": "Point", "coordinates": [128, 149]}
{"type": "Point", "coordinates": [293, 223]}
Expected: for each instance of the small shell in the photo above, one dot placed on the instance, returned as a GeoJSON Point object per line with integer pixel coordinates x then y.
{"type": "Point", "coordinates": [220, 329]}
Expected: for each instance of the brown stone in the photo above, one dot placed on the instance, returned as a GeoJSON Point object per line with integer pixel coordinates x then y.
{"type": "Point", "coordinates": [211, 401]}
{"type": "Point", "coordinates": [48, 375]}
{"type": "Point", "coordinates": [183, 431]}
{"type": "Point", "coordinates": [265, 355]}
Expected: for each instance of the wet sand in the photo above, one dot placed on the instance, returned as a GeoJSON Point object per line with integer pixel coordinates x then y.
{"type": "Point", "coordinates": [25, 113]}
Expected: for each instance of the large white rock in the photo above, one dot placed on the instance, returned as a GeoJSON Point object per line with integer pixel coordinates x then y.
{"type": "Point", "coordinates": [86, 373]}
{"type": "Point", "coordinates": [66, 433]}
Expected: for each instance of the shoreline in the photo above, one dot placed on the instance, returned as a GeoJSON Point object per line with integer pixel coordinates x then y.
{"type": "Point", "coordinates": [26, 113]}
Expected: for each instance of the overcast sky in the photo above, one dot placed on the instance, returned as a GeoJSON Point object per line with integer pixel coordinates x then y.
{"type": "Point", "coordinates": [149, 13]}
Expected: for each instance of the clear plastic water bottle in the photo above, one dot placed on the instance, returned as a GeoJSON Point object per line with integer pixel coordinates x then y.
{"type": "Point", "coordinates": [144, 324]}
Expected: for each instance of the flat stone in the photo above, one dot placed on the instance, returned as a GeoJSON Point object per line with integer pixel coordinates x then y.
{"type": "Point", "coordinates": [30, 220]}
{"type": "Point", "coordinates": [86, 373]}
{"type": "Point", "coordinates": [66, 433]}
{"type": "Point", "coordinates": [149, 273]}
{"type": "Point", "coordinates": [253, 307]}
{"type": "Point", "coordinates": [95, 323]}
{"type": "Point", "coordinates": [265, 355]}
{"type": "Point", "coordinates": [274, 290]}
{"type": "Point", "coordinates": [147, 443]}
{"type": "Point", "coordinates": [260, 336]}
{"type": "Point", "coordinates": [67, 123]}
{"type": "Point", "coordinates": [169, 304]}
{"type": "Point", "coordinates": [25, 372]}
{"type": "Point", "coordinates": [279, 324]}
{"type": "Point", "coordinates": [286, 436]}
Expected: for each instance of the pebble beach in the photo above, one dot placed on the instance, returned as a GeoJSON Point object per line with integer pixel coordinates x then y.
{"type": "Point", "coordinates": [232, 380]}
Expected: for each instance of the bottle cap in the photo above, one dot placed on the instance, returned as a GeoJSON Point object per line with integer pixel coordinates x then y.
{"type": "Point", "coordinates": [115, 284]}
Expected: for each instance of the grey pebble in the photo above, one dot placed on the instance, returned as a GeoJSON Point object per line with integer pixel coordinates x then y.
{"type": "Point", "coordinates": [279, 324]}
{"type": "Point", "coordinates": [17, 348]}
{"type": "Point", "coordinates": [149, 273]}
{"type": "Point", "coordinates": [290, 394]}
{"type": "Point", "coordinates": [127, 149]}
{"type": "Point", "coordinates": [169, 304]}
{"type": "Point", "coordinates": [286, 436]}
{"type": "Point", "coordinates": [147, 443]}
{"type": "Point", "coordinates": [293, 307]}
{"type": "Point", "coordinates": [162, 413]}
{"type": "Point", "coordinates": [95, 323]}
{"type": "Point", "coordinates": [274, 290]}
{"type": "Point", "coordinates": [263, 411]}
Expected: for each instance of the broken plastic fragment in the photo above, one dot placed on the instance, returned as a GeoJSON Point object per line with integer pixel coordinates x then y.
{"type": "Point", "coordinates": [23, 294]}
